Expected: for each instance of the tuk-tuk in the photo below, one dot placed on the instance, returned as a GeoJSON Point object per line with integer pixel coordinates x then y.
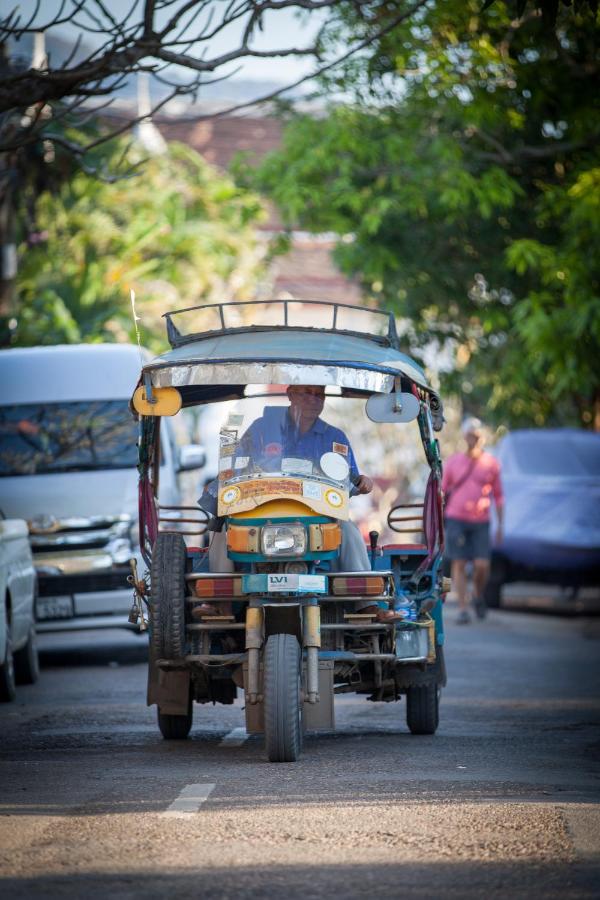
{"type": "Point", "coordinates": [273, 612]}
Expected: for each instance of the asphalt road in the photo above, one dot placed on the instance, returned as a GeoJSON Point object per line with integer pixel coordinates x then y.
{"type": "Point", "coordinates": [503, 801]}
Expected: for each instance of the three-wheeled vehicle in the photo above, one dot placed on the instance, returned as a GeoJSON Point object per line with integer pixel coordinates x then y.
{"type": "Point", "coordinates": [273, 612]}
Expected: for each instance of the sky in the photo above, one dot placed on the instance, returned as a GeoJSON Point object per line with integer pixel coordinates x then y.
{"type": "Point", "coordinates": [282, 29]}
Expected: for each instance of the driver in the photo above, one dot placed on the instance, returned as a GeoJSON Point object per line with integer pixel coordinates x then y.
{"type": "Point", "coordinates": [307, 436]}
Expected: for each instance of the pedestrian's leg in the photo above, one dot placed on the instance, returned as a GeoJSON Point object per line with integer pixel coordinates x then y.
{"type": "Point", "coordinates": [459, 585]}
{"type": "Point", "coordinates": [481, 573]}
{"type": "Point", "coordinates": [459, 582]}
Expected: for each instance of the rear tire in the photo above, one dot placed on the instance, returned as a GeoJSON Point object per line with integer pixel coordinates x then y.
{"type": "Point", "coordinates": [8, 690]}
{"type": "Point", "coordinates": [423, 708]}
{"type": "Point", "coordinates": [167, 610]}
{"type": "Point", "coordinates": [283, 709]}
{"type": "Point", "coordinates": [27, 664]}
{"type": "Point", "coordinates": [175, 728]}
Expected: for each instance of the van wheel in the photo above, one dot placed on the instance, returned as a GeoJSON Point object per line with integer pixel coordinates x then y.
{"type": "Point", "coordinates": [175, 728]}
{"type": "Point", "coordinates": [27, 664]}
{"type": "Point", "coordinates": [8, 689]}
{"type": "Point", "coordinates": [167, 609]}
{"type": "Point", "coordinates": [283, 707]}
{"type": "Point", "coordinates": [423, 708]}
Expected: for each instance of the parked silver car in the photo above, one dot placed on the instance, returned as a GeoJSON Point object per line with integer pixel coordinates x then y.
{"type": "Point", "coordinates": [18, 650]}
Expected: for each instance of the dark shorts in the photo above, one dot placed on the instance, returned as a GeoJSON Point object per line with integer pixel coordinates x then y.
{"type": "Point", "coordinates": [467, 540]}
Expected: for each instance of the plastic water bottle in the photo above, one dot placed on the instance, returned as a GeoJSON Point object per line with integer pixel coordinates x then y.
{"type": "Point", "coordinates": [404, 604]}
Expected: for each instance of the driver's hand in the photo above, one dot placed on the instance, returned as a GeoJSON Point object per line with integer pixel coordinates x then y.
{"type": "Point", "coordinates": [364, 485]}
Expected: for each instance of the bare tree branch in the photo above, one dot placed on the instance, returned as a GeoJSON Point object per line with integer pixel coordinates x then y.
{"type": "Point", "coordinates": [159, 34]}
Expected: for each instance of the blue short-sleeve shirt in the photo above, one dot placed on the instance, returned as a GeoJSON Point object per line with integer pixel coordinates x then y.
{"type": "Point", "coordinates": [275, 434]}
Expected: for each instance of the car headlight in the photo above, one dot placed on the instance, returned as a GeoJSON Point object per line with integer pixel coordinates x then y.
{"type": "Point", "coordinates": [283, 540]}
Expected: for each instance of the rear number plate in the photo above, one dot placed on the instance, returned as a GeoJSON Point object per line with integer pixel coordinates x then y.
{"type": "Point", "coordinates": [54, 608]}
{"type": "Point", "coordinates": [310, 584]}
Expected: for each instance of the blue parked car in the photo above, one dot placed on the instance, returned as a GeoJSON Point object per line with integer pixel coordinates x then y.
{"type": "Point", "coordinates": [551, 480]}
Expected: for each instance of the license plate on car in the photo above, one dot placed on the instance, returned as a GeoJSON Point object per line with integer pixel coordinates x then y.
{"type": "Point", "coordinates": [305, 584]}
{"type": "Point", "coordinates": [54, 608]}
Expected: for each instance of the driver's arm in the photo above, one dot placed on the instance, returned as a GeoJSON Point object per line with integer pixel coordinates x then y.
{"type": "Point", "coordinates": [362, 483]}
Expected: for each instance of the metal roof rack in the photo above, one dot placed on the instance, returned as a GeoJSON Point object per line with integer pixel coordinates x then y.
{"type": "Point", "coordinates": [177, 338]}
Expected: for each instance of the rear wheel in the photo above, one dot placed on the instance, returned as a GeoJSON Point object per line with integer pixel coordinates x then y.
{"type": "Point", "coordinates": [8, 690]}
{"type": "Point", "coordinates": [27, 665]}
{"type": "Point", "coordinates": [423, 708]}
{"type": "Point", "coordinates": [283, 709]}
{"type": "Point", "coordinates": [167, 611]}
{"type": "Point", "coordinates": [175, 728]}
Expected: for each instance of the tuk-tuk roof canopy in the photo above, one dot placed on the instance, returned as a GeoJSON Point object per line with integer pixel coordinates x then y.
{"type": "Point", "coordinates": [218, 364]}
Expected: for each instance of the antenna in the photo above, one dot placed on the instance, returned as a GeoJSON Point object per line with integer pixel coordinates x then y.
{"type": "Point", "coordinates": [136, 319]}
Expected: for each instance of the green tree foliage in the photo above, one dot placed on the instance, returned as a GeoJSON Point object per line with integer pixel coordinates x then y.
{"type": "Point", "coordinates": [462, 176]}
{"type": "Point", "coordinates": [178, 232]}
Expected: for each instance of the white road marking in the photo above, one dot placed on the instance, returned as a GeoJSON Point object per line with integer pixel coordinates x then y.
{"type": "Point", "coordinates": [190, 800]}
{"type": "Point", "coordinates": [235, 738]}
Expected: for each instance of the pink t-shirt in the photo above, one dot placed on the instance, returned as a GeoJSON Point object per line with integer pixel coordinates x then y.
{"type": "Point", "coordinates": [471, 500]}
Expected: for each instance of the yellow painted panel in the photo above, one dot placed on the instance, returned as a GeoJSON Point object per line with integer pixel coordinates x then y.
{"type": "Point", "coordinates": [276, 508]}
{"type": "Point", "coordinates": [248, 496]}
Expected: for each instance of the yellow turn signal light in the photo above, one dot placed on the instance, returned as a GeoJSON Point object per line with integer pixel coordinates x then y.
{"type": "Point", "coordinates": [324, 537]}
{"type": "Point", "coordinates": [242, 539]}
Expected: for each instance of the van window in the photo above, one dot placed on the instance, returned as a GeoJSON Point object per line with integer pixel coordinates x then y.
{"type": "Point", "coordinates": [38, 439]}
{"type": "Point", "coordinates": [564, 455]}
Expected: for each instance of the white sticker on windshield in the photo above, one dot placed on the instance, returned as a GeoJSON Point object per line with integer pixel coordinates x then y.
{"type": "Point", "coordinates": [290, 465]}
{"type": "Point", "coordinates": [311, 490]}
{"type": "Point", "coordinates": [241, 462]}
{"type": "Point", "coordinates": [235, 420]}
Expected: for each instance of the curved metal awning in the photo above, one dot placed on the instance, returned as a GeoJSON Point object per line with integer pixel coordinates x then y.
{"type": "Point", "coordinates": [219, 367]}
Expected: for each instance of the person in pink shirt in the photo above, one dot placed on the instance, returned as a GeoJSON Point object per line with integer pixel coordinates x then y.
{"type": "Point", "coordinates": [470, 481]}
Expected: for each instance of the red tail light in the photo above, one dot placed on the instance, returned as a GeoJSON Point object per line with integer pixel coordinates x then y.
{"type": "Point", "coordinates": [219, 587]}
{"type": "Point", "coordinates": [369, 585]}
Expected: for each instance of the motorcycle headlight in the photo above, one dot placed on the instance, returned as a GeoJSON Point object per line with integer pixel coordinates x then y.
{"type": "Point", "coordinates": [283, 540]}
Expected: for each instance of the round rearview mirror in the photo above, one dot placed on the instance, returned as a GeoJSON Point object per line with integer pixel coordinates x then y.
{"type": "Point", "coordinates": [335, 466]}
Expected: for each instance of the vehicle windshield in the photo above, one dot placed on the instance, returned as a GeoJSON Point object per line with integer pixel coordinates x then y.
{"type": "Point", "coordinates": [267, 443]}
{"type": "Point", "coordinates": [48, 438]}
{"type": "Point", "coordinates": [566, 455]}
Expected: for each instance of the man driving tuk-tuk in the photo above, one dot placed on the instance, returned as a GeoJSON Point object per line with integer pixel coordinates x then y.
{"type": "Point", "coordinates": [287, 602]}
{"type": "Point", "coordinates": [298, 432]}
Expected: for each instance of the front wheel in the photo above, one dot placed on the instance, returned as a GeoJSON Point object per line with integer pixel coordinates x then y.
{"type": "Point", "coordinates": [283, 709]}
{"type": "Point", "coordinates": [423, 708]}
{"type": "Point", "coordinates": [167, 610]}
{"type": "Point", "coordinates": [175, 728]}
{"type": "Point", "coordinates": [8, 689]}
{"type": "Point", "coordinates": [27, 665]}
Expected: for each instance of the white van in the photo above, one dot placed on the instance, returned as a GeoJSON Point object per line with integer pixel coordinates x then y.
{"type": "Point", "coordinates": [68, 460]}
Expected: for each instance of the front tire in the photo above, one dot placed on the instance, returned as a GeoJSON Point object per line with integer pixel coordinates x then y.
{"type": "Point", "coordinates": [8, 690]}
{"type": "Point", "coordinates": [167, 610]}
{"type": "Point", "coordinates": [283, 708]}
{"type": "Point", "coordinates": [175, 728]}
{"type": "Point", "coordinates": [423, 708]}
{"type": "Point", "coordinates": [27, 664]}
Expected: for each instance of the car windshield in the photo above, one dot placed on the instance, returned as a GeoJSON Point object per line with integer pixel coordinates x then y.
{"type": "Point", "coordinates": [46, 438]}
{"type": "Point", "coordinates": [550, 454]}
{"type": "Point", "coordinates": [268, 440]}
